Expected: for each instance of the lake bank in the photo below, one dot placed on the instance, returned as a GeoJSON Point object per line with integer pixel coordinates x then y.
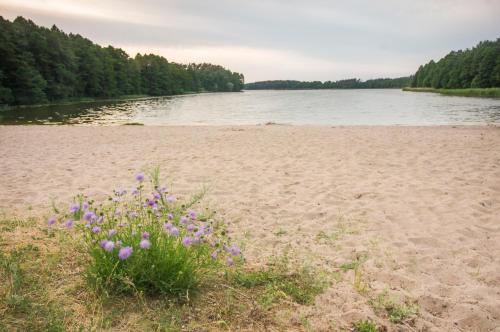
{"type": "Point", "coordinates": [482, 93]}
{"type": "Point", "coordinates": [378, 194]}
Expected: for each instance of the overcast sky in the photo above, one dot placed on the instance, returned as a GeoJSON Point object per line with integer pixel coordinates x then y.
{"type": "Point", "coordinates": [278, 39]}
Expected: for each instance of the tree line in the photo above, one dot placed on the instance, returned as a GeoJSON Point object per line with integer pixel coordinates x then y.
{"type": "Point", "coordinates": [353, 83]}
{"type": "Point", "coordinates": [40, 65]}
{"type": "Point", "coordinates": [478, 67]}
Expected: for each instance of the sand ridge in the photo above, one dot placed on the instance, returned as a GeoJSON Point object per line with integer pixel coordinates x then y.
{"type": "Point", "coordinates": [419, 205]}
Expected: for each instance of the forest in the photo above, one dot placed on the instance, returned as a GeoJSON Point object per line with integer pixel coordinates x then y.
{"type": "Point", "coordinates": [40, 65]}
{"type": "Point", "coordinates": [353, 83]}
{"type": "Point", "coordinates": [478, 67]}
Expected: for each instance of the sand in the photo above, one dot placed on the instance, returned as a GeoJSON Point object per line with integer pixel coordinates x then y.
{"type": "Point", "coordinates": [420, 206]}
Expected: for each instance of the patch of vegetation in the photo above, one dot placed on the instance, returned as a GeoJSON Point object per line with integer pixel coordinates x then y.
{"type": "Point", "coordinates": [396, 312]}
{"type": "Point", "coordinates": [477, 92]}
{"type": "Point", "coordinates": [365, 326]}
{"type": "Point", "coordinates": [280, 281]}
{"type": "Point", "coordinates": [146, 241]}
{"type": "Point", "coordinates": [24, 300]}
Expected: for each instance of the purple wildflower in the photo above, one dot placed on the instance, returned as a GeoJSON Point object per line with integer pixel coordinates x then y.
{"type": "Point", "coordinates": [135, 192]}
{"type": "Point", "coordinates": [103, 243]}
{"type": "Point", "coordinates": [170, 216]}
{"type": "Point", "coordinates": [190, 227]}
{"type": "Point", "coordinates": [109, 246]}
{"type": "Point", "coordinates": [164, 190]}
{"type": "Point", "coordinates": [156, 195]}
{"type": "Point", "coordinates": [145, 244]}
{"type": "Point", "coordinates": [184, 220]}
{"type": "Point", "coordinates": [229, 261]}
{"type": "Point", "coordinates": [145, 235]}
{"type": "Point", "coordinates": [214, 255]}
{"type": "Point", "coordinates": [96, 229]}
{"type": "Point", "coordinates": [68, 223]}
{"type": "Point", "coordinates": [89, 215]}
{"type": "Point", "coordinates": [125, 253]}
{"type": "Point", "coordinates": [193, 214]}
{"type": "Point", "coordinates": [151, 202]}
{"type": "Point", "coordinates": [111, 232]}
{"type": "Point", "coordinates": [186, 241]}
{"type": "Point", "coordinates": [174, 231]}
{"type": "Point", "coordinates": [171, 199]}
{"type": "Point", "coordinates": [75, 207]}
{"type": "Point", "coordinates": [139, 177]}
{"type": "Point", "coordinates": [234, 250]}
{"type": "Point", "coordinates": [167, 226]}
{"type": "Point", "coordinates": [199, 233]}
{"type": "Point", "coordinates": [51, 221]}
{"type": "Point", "coordinates": [85, 206]}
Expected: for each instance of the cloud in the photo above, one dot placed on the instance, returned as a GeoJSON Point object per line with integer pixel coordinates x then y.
{"type": "Point", "coordinates": [271, 39]}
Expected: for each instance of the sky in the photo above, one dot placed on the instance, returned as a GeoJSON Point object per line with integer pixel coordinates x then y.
{"type": "Point", "coordinates": [278, 39]}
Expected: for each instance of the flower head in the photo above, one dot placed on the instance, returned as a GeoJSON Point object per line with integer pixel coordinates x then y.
{"type": "Point", "coordinates": [174, 231]}
{"type": "Point", "coordinates": [214, 255]}
{"type": "Point", "coordinates": [193, 214]}
{"type": "Point", "coordinates": [186, 241]}
{"type": "Point", "coordinates": [125, 253]}
{"type": "Point", "coordinates": [234, 250]}
{"type": "Point", "coordinates": [96, 229]}
{"type": "Point", "coordinates": [75, 207]}
{"type": "Point", "coordinates": [229, 261]}
{"type": "Point", "coordinates": [164, 190]}
{"type": "Point", "coordinates": [51, 221]}
{"type": "Point", "coordinates": [145, 235]}
{"type": "Point", "coordinates": [111, 232]}
{"type": "Point", "coordinates": [89, 215]}
{"type": "Point", "coordinates": [145, 244]}
{"type": "Point", "coordinates": [108, 246]}
{"type": "Point", "coordinates": [139, 177]}
{"type": "Point", "coordinates": [85, 206]}
{"type": "Point", "coordinates": [156, 195]}
{"type": "Point", "coordinates": [184, 220]}
{"type": "Point", "coordinates": [171, 199]}
{"type": "Point", "coordinates": [68, 223]}
{"type": "Point", "coordinates": [190, 227]}
{"type": "Point", "coordinates": [170, 216]}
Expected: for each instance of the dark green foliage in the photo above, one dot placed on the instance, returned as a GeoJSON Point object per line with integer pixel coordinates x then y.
{"type": "Point", "coordinates": [353, 83]}
{"type": "Point", "coordinates": [478, 67]}
{"type": "Point", "coordinates": [40, 65]}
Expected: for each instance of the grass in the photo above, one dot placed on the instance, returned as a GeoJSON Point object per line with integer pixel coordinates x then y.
{"type": "Point", "coordinates": [45, 290]}
{"type": "Point", "coordinates": [398, 313]}
{"type": "Point", "coordinates": [365, 326]}
{"type": "Point", "coordinates": [278, 281]}
{"type": "Point", "coordinates": [477, 92]}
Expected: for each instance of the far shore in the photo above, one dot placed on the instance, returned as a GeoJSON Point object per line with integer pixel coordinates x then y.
{"type": "Point", "coordinates": [476, 92]}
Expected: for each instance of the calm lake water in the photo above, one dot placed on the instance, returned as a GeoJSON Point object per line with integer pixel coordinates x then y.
{"type": "Point", "coordinates": [332, 107]}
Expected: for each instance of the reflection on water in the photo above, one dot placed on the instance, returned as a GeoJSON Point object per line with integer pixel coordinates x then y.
{"type": "Point", "coordinates": [340, 107]}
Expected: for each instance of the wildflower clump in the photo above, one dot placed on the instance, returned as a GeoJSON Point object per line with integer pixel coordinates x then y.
{"type": "Point", "coordinates": [148, 240]}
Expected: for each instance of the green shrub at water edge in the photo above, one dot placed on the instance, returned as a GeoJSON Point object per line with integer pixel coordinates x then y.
{"type": "Point", "coordinates": [149, 242]}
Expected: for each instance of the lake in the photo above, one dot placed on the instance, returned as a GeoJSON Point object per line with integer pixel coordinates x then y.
{"type": "Point", "coordinates": [330, 107]}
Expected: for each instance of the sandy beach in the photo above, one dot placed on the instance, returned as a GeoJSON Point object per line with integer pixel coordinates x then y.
{"type": "Point", "coordinates": [419, 207]}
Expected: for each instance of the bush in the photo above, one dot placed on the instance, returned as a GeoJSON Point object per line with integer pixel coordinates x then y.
{"type": "Point", "coordinates": [147, 241]}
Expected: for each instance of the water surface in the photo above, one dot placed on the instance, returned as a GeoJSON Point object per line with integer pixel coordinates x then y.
{"type": "Point", "coordinates": [331, 107]}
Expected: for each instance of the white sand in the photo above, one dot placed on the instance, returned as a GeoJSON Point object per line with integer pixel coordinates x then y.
{"type": "Point", "coordinates": [421, 203]}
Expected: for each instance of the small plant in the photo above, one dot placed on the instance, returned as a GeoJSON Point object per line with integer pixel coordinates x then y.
{"type": "Point", "coordinates": [148, 241]}
{"type": "Point", "coordinates": [365, 326]}
{"type": "Point", "coordinates": [279, 281]}
{"type": "Point", "coordinates": [397, 312]}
